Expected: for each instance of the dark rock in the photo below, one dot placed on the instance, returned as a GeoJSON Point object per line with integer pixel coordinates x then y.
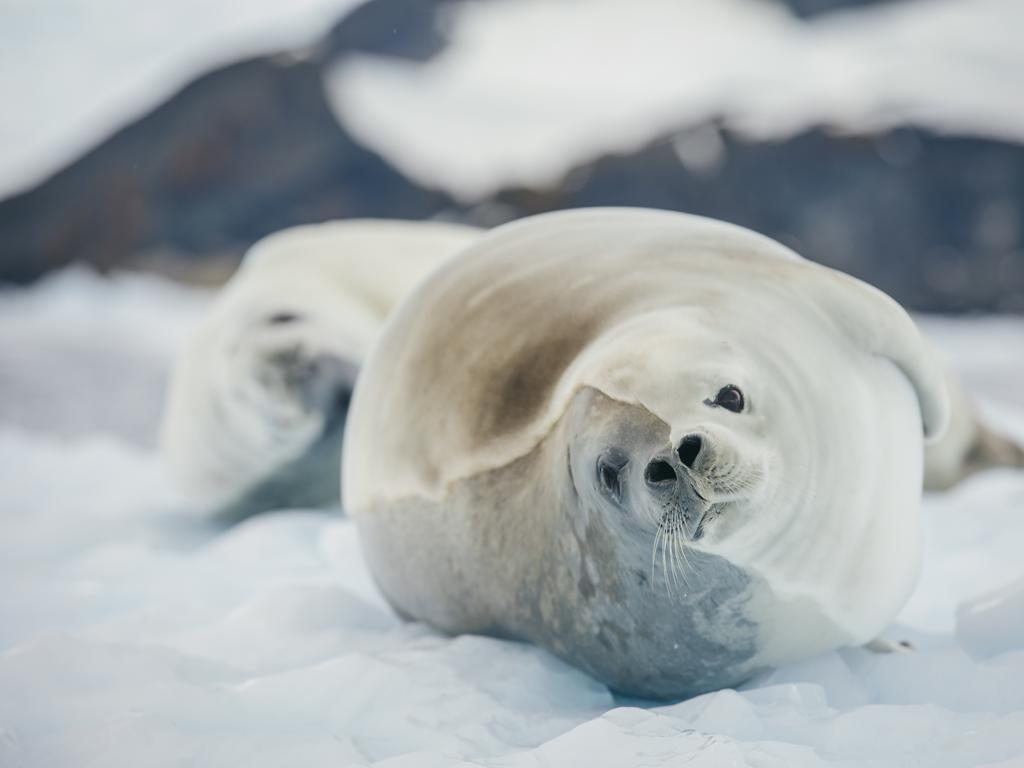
{"type": "Point", "coordinates": [407, 29]}
{"type": "Point", "coordinates": [935, 221]}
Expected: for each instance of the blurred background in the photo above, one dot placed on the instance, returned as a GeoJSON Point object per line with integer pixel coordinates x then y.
{"type": "Point", "coordinates": [883, 138]}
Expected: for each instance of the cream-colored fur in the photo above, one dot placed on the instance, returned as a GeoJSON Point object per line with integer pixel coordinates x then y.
{"type": "Point", "coordinates": [301, 297]}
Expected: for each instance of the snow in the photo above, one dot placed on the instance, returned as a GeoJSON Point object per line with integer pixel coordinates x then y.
{"type": "Point", "coordinates": [529, 89]}
{"type": "Point", "coordinates": [993, 622]}
{"type": "Point", "coordinates": [133, 633]}
{"type": "Point", "coordinates": [75, 332]}
{"type": "Point", "coordinates": [94, 65]}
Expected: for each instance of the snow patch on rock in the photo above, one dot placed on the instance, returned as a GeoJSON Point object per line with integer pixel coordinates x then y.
{"type": "Point", "coordinates": [528, 89]}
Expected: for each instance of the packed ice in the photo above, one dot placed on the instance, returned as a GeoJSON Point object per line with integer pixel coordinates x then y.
{"type": "Point", "coordinates": [136, 632]}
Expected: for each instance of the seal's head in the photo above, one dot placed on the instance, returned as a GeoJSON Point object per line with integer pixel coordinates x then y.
{"type": "Point", "coordinates": [695, 476]}
{"type": "Point", "coordinates": [736, 462]}
{"type": "Point", "coordinates": [688, 489]}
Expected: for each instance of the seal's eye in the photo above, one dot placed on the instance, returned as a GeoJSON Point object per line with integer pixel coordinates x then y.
{"type": "Point", "coordinates": [730, 398]}
{"type": "Point", "coordinates": [609, 473]}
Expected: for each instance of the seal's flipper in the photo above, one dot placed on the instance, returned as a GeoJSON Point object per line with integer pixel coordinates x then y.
{"type": "Point", "coordinates": [321, 386]}
{"type": "Point", "coordinates": [987, 450]}
{"type": "Point", "coordinates": [259, 395]}
{"type": "Point", "coordinates": [968, 446]}
{"type": "Point", "coordinates": [312, 480]}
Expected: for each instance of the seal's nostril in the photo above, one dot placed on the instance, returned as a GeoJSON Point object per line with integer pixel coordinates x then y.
{"type": "Point", "coordinates": [689, 449]}
{"type": "Point", "coordinates": [659, 471]}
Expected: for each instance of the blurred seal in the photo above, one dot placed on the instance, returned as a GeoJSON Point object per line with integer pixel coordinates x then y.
{"type": "Point", "coordinates": [665, 448]}
{"type": "Point", "coordinates": [257, 403]}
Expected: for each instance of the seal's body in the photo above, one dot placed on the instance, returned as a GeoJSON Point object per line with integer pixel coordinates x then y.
{"type": "Point", "coordinates": [666, 448]}
{"type": "Point", "coordinates": [257, 406]}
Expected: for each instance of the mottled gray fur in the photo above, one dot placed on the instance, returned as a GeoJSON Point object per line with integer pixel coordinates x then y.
{"type": "Point", "coordinates": [580, 579]}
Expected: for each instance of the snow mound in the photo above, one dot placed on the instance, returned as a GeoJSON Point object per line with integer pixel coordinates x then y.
{"type": "Point", "coordinates": [74, 71]}
{"type": "Point", "coordinates": [992, 623]}
{"type": "Point", "coordinates": [133, 634]}
{"type": "Point", "coordinates": [529, 89]}
{"type": "Point", "coordinates": [82, 354]}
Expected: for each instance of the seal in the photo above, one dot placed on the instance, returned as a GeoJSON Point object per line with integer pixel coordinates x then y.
{"type": "Point", "coordinates": [256, 406]}
{"type": "Point", "coordinates": [968, 445]}
{"type": "Point", "coordinates": [666, 448]}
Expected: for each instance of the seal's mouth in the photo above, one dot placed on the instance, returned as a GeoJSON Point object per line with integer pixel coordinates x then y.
{"type": "Point", "coordinates": [680, 528]}
{"type": "Point", "coordinates": [687, 521]}
{"type": "Point", "coordinates": [698, 531]}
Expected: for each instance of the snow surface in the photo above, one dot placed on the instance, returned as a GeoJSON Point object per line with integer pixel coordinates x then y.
{"type": "Point", "coordinates": [529, 89]}
{"type": "Point", "coordinates": [133, 633]}
{"type": "Point", "coordinates": [73, 71]}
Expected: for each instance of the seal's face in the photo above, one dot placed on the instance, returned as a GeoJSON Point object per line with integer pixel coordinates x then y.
{"type": "Point", "coordinates": [687, 492]}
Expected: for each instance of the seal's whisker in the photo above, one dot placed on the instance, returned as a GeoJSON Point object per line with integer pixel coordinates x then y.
{"type": "Point", "coordinates": [664, 565]}
{"type": "Point", "coordinates": [654, 554]}
{"type": "Point", "coordinates": [684, 563]}
{"type": "Point", "coordinates": [666, 548]}
{"type": "Point", "coordinates": [674, 550]}
{"type": "Point", "coordinates": [673, 554]}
